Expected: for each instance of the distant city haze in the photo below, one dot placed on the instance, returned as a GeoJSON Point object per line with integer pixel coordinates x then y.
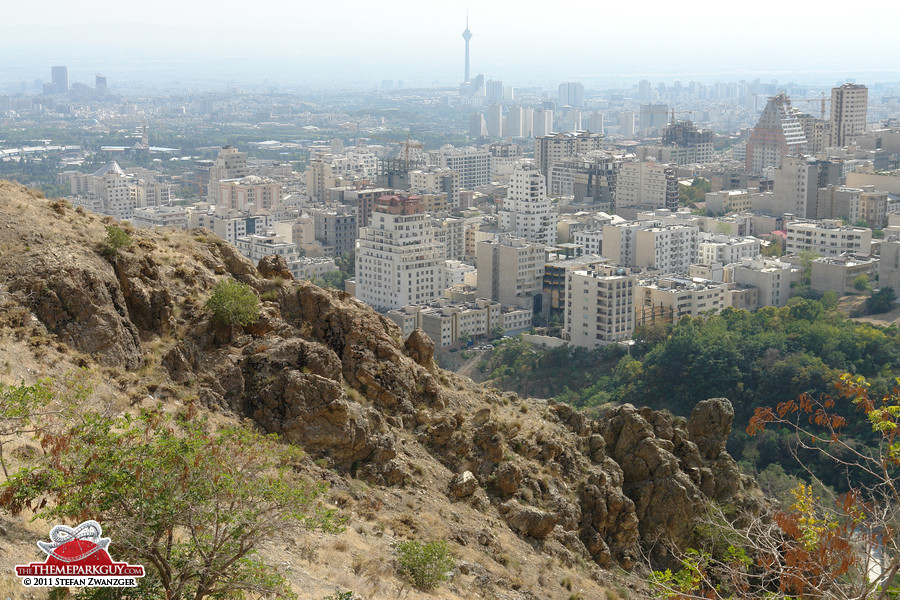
{"type": "Point", "coordinates": [355, 43]}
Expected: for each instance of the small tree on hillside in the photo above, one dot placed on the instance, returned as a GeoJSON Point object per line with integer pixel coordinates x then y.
{"type": "Point", "coordinates": [191, 505]}
{"type": "Point", "coordinates": [233, 303]}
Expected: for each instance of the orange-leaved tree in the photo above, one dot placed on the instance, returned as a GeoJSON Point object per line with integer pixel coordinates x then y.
{"type": "Point", "coordinates": [837, 545]}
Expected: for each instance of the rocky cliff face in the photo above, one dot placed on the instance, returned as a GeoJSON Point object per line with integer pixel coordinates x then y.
{"type": "Point", "coordinates": [327, 373]}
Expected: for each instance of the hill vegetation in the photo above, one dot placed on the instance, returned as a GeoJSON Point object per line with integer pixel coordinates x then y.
{"type": "Point", "coordinates": [754, 359]}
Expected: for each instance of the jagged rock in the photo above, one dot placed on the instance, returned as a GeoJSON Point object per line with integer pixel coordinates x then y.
{"type": "Point", "coordinates": [420, 347]}
{"type": "Point", "coordinates": [463, 485]}
{"type": "Point", "coordinates": [709, 426]}
{"type": "Point", "coordinates": [509, 476]}
{"type": "Point", "coordinates": [81, 302]}
{"type": "Point", "coordinates": [273, 266]}
{"type": "Point", "coordinates": [530, 521]}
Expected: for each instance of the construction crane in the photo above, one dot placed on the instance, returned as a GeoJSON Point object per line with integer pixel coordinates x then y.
{"type": "Point", "coordinates": [821, 99]}
{"type": "Point", "coordinates": [680, 112]}
{"type": "Point", "coordinates": [406, 145]}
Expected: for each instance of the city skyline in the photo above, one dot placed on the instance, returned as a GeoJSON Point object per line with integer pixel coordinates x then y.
{"type": "Point", "coordinates": [524, 43]}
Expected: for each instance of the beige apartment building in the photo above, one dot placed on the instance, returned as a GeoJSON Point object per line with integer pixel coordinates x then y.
{"type": "Point", "coordinates": [671, 298]}
{"type": "Point", "coordinates": [510, 271]}
{"type": "Point", "coordinates": [599, 306]}
{"type": "Point", "coordinates": [828, 237]}
{"type": "Point", "coordinates": [849, 107]}
{"type": "Point", "coordinates": [837, 273]}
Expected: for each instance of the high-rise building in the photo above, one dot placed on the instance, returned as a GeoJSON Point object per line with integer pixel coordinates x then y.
{"type": "Point", "coordinates": [571, 93]}
{"type": "Point", "coordinates": [526, 212]}
{"type": "Point", "coordinates": [510, 271]}
{"type": "Point", "coordinates": [644, 91]}
{"type": "Point", "coordinates": [654, 117]}
{"type": "Point", "coordinates": [398, 261]}
{"type": "Point", "coordinates": [60, 79]}
{"type": "Point", "coordinates": [849, 105]}
{"type": "Point", "coordinates": [473, 165]}
{"type": "Point", "coordinates": [697, 143]}
{"type": "Point", "coordinates": [626, 123]}
{"type": "Point", "coordinates": [467, 35]}
{"type": "Point", "coordinates": [599, 305]}
{"type": "Point", "coordinates": [550, 149]}
{"type": "Point", "coordinates": [230, 164]}
{"type": "Point", "coordinates": [776, 134]}
{"type": "Point", "coordinates": [515, 121]}
{"type": "Point", "coordinates": [495, 121]}
{"type": "Point", "coordinates": [646, 184]}
{"type": "Point", "coordinates": [477, 126]}
{"type": "Point", "coordinates": [100, 85]}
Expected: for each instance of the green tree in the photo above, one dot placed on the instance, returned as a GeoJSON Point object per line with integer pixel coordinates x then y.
{"type": "Point", "coordinates": [116, 238]}
{"type": "Point", "coordinates": [233, 303]}
{"type": "Point", "coordinates": [861, 283]}
{"type": "Point", "coordinates": [191, 505]}
{"type": "Point", "coordinates": [425, 565]}
{"type": "Point", "coordinates": [881, 301]}
{"type": "Point", "coordinates": [19, 406]}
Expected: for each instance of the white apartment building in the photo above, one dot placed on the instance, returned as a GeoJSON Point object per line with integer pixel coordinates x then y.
{"type": "Point", "coordinates": [229, 224]}
{"type": "Point", "coordinates": [472, 164]}
{"type": "Point", "coordinates": [447, 322]}
{"type": "Point", "coordinates": [599, 306]}
{"type": "Point", "coordinates": [646, 184]}
{"type": "Point", "coordinates": [620, 241]}
{"type": "Point", "coordinates": [670, 249]}
{"type": "Point", "coordinates": [771, 276]}
{"type": "Point", "coordinates": [436, 180]}
{"type": "Point", "coordinates": [510, 271]}
{"type": "Point", "coordinates": [307, 267]}
{"type": "Point", "coordinates": [398, 261]}
{"type": "Point", "coordinates": [723, 249]}
{"type": "Point", "coordinates": [828, 237]}
{"type": "Point", "coordinates": [229, 164]}
{"type": "Point", "coordinates": [551, 148]}
{"type": "Point", "coordinates": [591, 241]}
{"type": "Point", "coordinates": [451, 234]}
{"type": "Point", "coordinates": [160, 216]}
{"type": "Point", "coordinates": [249, 193]}
{"type": "Point", "coordinates": [259, 245]}
{"type": "Point", "coordinates": [671, 298]}
{"type": "Point", "coordinates": [526, 212]}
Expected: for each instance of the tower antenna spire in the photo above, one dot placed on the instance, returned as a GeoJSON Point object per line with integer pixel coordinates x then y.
{"type": "Point", "coordinates": [467, 35]}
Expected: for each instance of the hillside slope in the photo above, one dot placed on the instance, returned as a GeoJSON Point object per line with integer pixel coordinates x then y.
{"type": "Point", "coordinates": [536, 500]}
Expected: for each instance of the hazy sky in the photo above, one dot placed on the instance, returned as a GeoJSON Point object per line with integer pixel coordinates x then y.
{"type": "Point", "coordinates": [526, 42]}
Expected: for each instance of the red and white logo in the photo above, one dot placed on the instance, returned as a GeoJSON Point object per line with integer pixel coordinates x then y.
{"type": "Point", "coordinates": [78, 558]}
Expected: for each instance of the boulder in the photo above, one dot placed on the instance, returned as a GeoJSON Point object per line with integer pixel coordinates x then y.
{"type": "Point", "coordinates": [463, 485]}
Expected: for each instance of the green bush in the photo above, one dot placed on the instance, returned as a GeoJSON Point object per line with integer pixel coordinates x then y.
{"type": "Point", "coordinates": [116, 238]}
{"type": "Point", "coordinates": [425, 565]}
{"type": "Point", "coordinates": [233, 303]}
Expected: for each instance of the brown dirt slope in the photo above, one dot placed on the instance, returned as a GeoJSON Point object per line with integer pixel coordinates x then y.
{"type": "Point", "coordinates": [536, 500]}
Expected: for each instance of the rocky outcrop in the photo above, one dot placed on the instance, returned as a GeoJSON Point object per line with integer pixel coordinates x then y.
{"type": "Point", "coordinates": [273, 266]}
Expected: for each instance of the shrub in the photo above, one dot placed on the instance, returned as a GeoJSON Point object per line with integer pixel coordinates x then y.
{"type": "Point", "coordinates": [116, 238]}
{"type": "Point", "coordinates": [425, 565]}
{"type": "Point", "coordinates": [233, 303]}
